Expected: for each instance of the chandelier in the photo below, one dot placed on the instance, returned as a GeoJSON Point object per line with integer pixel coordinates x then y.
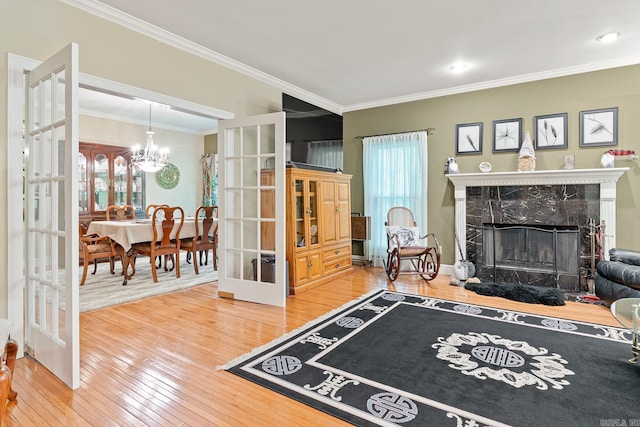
{"type": "Point", "coordinates": [152, 158]}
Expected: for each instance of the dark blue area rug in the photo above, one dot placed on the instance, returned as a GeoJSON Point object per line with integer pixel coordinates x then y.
{"type": "Point", "coordinates": [394, 358]}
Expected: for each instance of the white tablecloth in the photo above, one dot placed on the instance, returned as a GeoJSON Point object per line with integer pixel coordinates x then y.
{"type": "Point", "coordinates": [127, 233]}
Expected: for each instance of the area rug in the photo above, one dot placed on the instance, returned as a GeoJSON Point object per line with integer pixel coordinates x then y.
{"type": "Point", "coordinates": [105, 289]}
{"type": "Point", "coordinates": [402, 359]}
{"type": "Point", "coordinates": [521, 293]}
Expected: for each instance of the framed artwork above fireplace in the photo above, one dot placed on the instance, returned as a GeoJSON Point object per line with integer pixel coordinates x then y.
{"type": "Point", "coordinates": [551, 131]}
{"type": "Point", "coordinates": [599, 127]}
{"type": "Point", "coordinates": [469, 138]}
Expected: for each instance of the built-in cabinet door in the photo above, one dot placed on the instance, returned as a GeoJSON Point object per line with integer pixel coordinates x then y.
{"type": "Point", "coordinates": [308, 267]}
{"type": "Point", "coordinates": [336, 214]}
{"type": "Point", "coordinates": [329, 231]}
{"type": "Point", "coordinates": [307, 222]}
{"type": "Point", "coordinates": [343, 211]}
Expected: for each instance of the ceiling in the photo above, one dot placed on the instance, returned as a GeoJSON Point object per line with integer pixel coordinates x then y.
{"type": "Point", "coordinates": [350, 55]}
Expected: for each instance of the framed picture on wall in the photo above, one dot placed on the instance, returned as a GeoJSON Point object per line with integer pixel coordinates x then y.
{"type": "Point", "coordinates": [507, 135]}
{"type": "Point", "coordinates": [469, 138]}
{"type": "Point", "coordinates": [599, 127]}
{"type": "Point", "coordinates": [551, 131]}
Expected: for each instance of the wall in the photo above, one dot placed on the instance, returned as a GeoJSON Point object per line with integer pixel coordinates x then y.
{"type": "Point", "coordinates": [184, 152]}
{"type": "Point", "coordinates": [619, 87]}
{"type": "Point", "coordinates": [37, 29]}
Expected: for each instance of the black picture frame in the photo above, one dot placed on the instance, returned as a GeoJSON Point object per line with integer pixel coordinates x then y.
{"type": "Point", "coordinates": [551, 131]}
{"type": "Point", "coordinates": [507, 135]}
{"type": "Point", "coordinates": [469, 138]}
{"type": "Point", "coordinates": [599, 127]}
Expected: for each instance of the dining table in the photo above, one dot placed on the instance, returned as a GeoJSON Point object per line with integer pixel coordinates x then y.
{"type": "Point", "coordinates": [127, 232]}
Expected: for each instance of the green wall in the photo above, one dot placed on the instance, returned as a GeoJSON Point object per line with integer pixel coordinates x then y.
{"type": "Point", "coordinates": [618, 87]}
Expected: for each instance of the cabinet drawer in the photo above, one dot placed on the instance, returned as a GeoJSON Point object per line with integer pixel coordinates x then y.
{"type": "Point", "coordinates": [336, 251]}
{"type": "Point", "coordinates": [336, 265]}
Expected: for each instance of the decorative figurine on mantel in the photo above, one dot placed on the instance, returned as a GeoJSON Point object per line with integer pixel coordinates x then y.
{"type": "Point", "coordinates": [451, 167]}
{"type": "Point", "coordinates": [527, 155]}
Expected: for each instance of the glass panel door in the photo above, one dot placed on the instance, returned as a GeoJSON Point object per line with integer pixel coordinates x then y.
{"type": "Point", "coordinates": [137, 190]}
{"type": "Point", "coordinates": [101, 182]}
{"type": "Point", "coordinates": [313, 212]}
{"type": "Point", "coordinates": [83, 184]}
{"type": "Point", "coordinates": [120, 174]}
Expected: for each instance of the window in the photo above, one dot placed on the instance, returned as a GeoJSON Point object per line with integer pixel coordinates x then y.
{"type": "Point", "coordinates": [394, 174]}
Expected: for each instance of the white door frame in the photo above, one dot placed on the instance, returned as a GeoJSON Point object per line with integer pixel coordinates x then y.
{"type": "Point", "coordinates": [16, 68]}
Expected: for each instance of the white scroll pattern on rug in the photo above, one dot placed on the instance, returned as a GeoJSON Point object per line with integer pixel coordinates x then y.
{"type": "Point", "coordinates": [463, 352]}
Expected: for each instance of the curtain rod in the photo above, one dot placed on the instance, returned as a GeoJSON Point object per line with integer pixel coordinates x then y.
{"type": "Point", "coordinates": [428, 130]}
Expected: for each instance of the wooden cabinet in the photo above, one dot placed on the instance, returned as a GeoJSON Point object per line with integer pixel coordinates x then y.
{"type": "Point", "coordinates": [106, 178]}
{"type": "Point", "coordinates": [318, 227]}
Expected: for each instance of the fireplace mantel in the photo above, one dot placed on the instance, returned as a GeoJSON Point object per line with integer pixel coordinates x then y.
{"type": "Point", "coordinates": [605, 177]}
{"type": "Point", "coordinates": [550, 177]}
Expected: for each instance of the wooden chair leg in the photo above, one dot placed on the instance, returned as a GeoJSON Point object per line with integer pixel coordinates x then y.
{"type": "Point", "coordinates": [153, 268]}
{"type": "Point", "coordinates": [95, 266]}
{"type": "Point", "coordinates": [195, 264]}
{"type": "Point", "coordinates": [12, 352]}
{"type": "Point", "coordinates": [5, 386]}
{"type": "Point", "coordinates": [176, 263]}
{"type": "Point", "coordinates": [85, 266]}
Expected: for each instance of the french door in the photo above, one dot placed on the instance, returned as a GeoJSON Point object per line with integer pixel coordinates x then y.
{"type": "Point", "coordinates": [52, 334]}
{"type": "Point", "coordinates": [251, 219]}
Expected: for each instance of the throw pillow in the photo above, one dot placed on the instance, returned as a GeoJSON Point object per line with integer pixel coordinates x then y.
{"type": "Point", "coordinates": [406, 236]}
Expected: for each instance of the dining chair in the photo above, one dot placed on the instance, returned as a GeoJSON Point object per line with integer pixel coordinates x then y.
{"type": "Point", "coordinates": [93, 248]}
{"type": "Point", "coordinates": [151, 208]}
{"type": "Point", "coordinates": [148, 212]}
{"type": "Point", "coordinates": [206, 236]}
{"type": "Point", "coordinates": [120, 213]}
{"type": "Point", "coordinates": [164, 220]}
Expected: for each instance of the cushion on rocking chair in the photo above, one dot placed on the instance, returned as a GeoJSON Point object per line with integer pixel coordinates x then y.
{"type": "Point", "coordinates": [405, 236]}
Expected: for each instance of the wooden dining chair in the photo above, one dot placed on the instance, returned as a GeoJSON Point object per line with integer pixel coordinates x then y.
{"type": "Point", "coordinates": [163, 221]}
{"type": "Point", "coordinates": [151, 208]}
{"type": "Point", "coordinates": [148, 212]}
{"type": "Point", "coordinates": [93, 248]}
{"type": "Point", "coordinates": [120, 213]}
{"type": "Point", "coordinates": [206, 236]}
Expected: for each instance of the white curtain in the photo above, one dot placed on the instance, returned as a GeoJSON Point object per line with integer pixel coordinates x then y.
{"type": "Point", "coordinates": [394, 174]}
{"type": "Point", "coordinates": [209, 163]}
{"type": "Point", "coordinates": [325, 153]}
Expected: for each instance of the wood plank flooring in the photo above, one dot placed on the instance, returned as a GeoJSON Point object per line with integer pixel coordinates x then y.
{"type": "Point", "coordinates": [153, 362]}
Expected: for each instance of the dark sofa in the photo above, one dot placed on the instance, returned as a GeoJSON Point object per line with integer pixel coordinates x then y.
{"type": "Point", "coordinates": [619, 277]}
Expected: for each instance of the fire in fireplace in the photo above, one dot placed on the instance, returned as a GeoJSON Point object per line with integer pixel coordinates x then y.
{"type": "Point", "coordinates": [552, 251]}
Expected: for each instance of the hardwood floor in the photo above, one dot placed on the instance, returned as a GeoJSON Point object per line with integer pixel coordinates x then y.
{"type": "Point", "coordinates": [153, 362]}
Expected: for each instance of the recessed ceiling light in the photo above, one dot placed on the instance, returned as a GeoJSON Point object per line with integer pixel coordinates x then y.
{"type": "Point", "coordinates": [459, 68]}
{"type": "Point", "coordinates": [608, 37]}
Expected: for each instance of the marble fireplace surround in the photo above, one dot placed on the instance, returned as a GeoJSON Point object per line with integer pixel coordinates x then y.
{"type": "Point", "coordinates": [582, 179]}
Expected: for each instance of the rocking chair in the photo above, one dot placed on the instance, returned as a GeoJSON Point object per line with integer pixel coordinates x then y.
{"type": "Point", "coordinates": [404, 243]}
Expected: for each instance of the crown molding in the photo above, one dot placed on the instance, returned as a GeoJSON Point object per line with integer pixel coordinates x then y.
{"type": "Point", "coordinates": [120, 18]}
{"type": "Point", "coordinates": [525, 78]}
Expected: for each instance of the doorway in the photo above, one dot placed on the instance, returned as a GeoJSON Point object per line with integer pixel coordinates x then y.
{"type": "Point", "coordinates": [17, 66]}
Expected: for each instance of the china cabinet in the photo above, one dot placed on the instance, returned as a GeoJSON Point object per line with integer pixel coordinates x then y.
{"type": "Point", "coordinates": [318, 227]}
{"type": "Point", "coordinates": [106, 178]}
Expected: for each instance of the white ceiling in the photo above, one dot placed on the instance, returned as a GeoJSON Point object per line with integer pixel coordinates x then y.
{"type": "Point", "coordinates": [346, 55]}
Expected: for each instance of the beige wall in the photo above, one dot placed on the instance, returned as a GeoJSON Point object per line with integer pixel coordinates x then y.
{"type": "Point", "coordinates": [184, 152]}
{"type": "Point", "coordinates": [36, 29]}
{"type": "Point", "coordinates": [618, 87]}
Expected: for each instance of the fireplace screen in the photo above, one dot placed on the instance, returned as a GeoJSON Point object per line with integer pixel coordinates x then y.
{"type": "Point", "coordinates": [545, 249]}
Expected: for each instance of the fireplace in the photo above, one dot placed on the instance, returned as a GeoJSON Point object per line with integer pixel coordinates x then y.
{"type": "Point", "coordinates": [548, 212]}
{"type": "Point", "coordinates": [523, 253]}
